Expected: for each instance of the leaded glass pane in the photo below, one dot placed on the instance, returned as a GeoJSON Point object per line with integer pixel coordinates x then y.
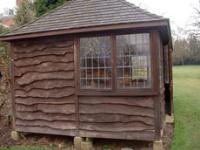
{"type": "Point", "coordinates": [133, 61]}
{"type": "Point", "coordinates": [95, 63]}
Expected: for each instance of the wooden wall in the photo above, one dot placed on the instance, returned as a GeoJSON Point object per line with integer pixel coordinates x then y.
{"type": "Point", "coordinates": [45, 99]}
{"type": "Point", "coordinates": [117, 117]}
{"type": "Point", "coordinates": [44, 86]}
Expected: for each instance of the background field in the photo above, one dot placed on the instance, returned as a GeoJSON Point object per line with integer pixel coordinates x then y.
{"type": "Point", "coordinates": [187, 108]}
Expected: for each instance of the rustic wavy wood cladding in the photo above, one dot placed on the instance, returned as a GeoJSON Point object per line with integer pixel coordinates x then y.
{"type": "Point", "coordinates": [45, 99]}
{"type": "Point", "coordinates": [45, 86]}
{"type": "Point", "coordinates": [117, 117]}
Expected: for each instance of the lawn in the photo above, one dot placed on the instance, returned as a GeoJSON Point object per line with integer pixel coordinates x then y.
{"type": "Point", "coordinates": [187, 108]}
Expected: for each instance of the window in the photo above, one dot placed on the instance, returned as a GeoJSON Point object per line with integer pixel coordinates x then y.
{"type": "Point", "coordinates": [95, 63]}
{"type": "Point", "coordinates": [132, 65]}
{"type": "Point", "coordinates": [133, 61]}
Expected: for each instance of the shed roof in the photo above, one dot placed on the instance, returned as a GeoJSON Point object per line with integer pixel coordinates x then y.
{"type": "Point", "coordinates": [87, 13]}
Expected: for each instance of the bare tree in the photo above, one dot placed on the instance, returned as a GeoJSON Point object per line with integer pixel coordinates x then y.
{"type": "Point", "coordinates": [196, 31]}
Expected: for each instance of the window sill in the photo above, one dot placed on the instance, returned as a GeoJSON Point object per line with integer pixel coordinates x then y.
{"type": "Point", "coordinates": [124, 92]}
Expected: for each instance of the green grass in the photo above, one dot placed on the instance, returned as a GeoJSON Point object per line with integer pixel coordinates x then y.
{"type": "Point", "coordinates": [187, 108]}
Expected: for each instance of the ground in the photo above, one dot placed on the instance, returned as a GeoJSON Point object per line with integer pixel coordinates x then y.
{"type": "Point", "coordinates": [187, 121]}
{"type": "Point", "coordinates": [187, 108]}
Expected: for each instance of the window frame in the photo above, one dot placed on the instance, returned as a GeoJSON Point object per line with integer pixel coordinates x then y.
{"type": "Point", "coordinates": [117, 67]}
{"type": "Point", "coordinates": [153, 90]}
{"type": "Point", "coordinates": [110, 65]}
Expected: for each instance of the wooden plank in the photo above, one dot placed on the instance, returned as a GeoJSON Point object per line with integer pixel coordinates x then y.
{"type": "Point", "coordinates": [47, 85]}
{"type": "Point", "coordinates": [45, 41]}
{"type": "Point", "coordinates": [144, 136]}
{"type": "Point", "coordinates": [113, 118]}
{"type": "Point", "coordinates": [36, 76]}
{"type": "Point", "coordinates": [116, 127]}
{"type": "Point", "coordinates": [32, 116]}
{"type": "Point", "coordinates": [59, 125]}
{"type": "Point", "coordinates": [45, 130]}
{"type": "Point", "coordinates": [115, 109]}
{"type": "Point", "coordinates": [35, 100]}
{"type": "Point", "coordinates": [41, 59]}
{"type": "Point", "coordinates": [45, 108]}
{"type": "Point", "coordinates": [120, 93]}
{"type": "Point", "coordinates": [26, 47]}
{"type": "Point", "coordinates": [127, 101]}
{"type": "Point", "coordinates": [42, 93]}
{"type": "Point", "coordinates": [44, 67]}
{"type": "Point", "coordinates": [46, 52]}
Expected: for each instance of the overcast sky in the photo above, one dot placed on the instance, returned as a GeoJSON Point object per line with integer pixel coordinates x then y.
{"type": "Point", "coordinates": [6, 4]}
{"type": "Point", "coordinates": [180, 12]}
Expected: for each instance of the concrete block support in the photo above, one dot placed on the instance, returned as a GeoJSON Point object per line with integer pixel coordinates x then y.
{"type": "Point", "coordinates": [77, 143]}
{"type": "Point", "coordinates": [169, 119]}
{"type": "Point", "coordinates": [82, 144]}
{"type": "Point", "coordinates": [158, 145]}
{"type": "Point", "coordinates": [86, 145]}
{"type": "Point", "coordinates": [126, 148]}
{"type": "Point", "coordinates": [15, 135]}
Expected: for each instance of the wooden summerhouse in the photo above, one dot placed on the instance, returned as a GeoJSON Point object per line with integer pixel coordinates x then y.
{"type": "Point", "coordinates": [93, 68]}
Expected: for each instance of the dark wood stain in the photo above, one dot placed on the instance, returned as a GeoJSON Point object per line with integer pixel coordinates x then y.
{"type": "Point", "coordinates": [116, 115]}
{"type": "Point", "coordinates": [47, 98]}
{"type": "Point", "coordinates": [44, 86]}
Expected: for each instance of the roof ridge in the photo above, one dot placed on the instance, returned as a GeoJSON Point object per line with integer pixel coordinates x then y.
{"type": "Point", "coordinates": [141, 9]}
{"type": "Point", "coordinates": [47, 13]}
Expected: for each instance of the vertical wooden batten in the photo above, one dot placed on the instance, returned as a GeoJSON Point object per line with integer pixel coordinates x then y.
{"type": "Point", "coordinates": [155, 77]}
{"type": "Point", "coordinates": [76, 44]}
{"type": "Point", "coordinates": [13, 84]}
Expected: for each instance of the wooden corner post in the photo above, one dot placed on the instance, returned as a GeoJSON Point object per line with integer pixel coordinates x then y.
{"type": "Point", "coordinates": [156, 83]}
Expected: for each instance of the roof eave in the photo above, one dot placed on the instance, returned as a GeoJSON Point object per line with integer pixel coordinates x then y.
{"type": "Point", "coordinates": [159, 23]}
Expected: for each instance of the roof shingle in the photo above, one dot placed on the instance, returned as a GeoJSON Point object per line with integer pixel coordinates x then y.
{"type": "Point", "coordinates": [87, 13]}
